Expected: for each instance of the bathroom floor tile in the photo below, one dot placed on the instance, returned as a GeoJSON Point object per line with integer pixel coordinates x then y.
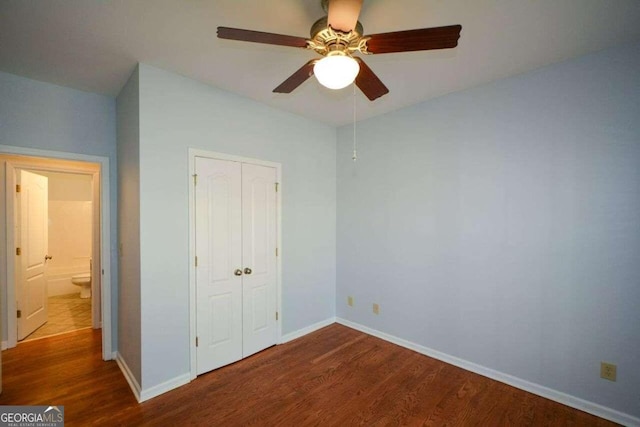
{"type": "Point", "coordinates": [66, 313]}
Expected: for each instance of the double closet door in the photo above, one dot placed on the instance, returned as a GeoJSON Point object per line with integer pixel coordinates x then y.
{"type": "Point", "coordinates": [236, 261]}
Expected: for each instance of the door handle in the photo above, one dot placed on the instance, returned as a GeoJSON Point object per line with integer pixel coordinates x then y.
{"type": "Point", "coordinates": [47, 257]}
{"type": "Point", "coordinates": [238, 272]}
{"type": "Point", "coordinates": [247, 270]}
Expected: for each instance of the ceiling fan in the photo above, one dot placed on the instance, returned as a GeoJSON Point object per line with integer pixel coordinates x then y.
{"type": "Point", "coordinates": [337, 37]}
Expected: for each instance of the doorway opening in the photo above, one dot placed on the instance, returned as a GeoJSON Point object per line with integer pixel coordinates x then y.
{"type": "Point", "coordinates": [57, 246]}
{"type": "Point", "coordinates": [60, 299]}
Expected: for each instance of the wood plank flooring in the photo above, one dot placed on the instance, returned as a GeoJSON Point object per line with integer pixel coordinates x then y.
{"type": "Point", "coordinates": [333, 377]}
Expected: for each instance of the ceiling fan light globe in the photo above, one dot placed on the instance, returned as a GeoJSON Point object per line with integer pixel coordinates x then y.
{"type": "Point", "coordinates": [336, 72]}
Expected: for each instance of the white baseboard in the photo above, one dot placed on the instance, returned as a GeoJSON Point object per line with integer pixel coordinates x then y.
{"type": "Point", "coordinates": [5, 345]}
{"type": "Point", "coordinates": [164, 387]}
{"type": "Point", "coordinates": [557, 396]}
{"type": "Point", "coordinates": [142, 395]}
{"type": "Point", "coordinates": [133, 383]}
{"type": "Point", "coordinates": [307, 330]}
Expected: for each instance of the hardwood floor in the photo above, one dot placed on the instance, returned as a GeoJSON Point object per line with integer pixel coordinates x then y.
{"type": "Point", "coordinates": [334, 377]}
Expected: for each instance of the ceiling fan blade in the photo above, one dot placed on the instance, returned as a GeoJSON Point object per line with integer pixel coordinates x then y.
{"type": "Point", "coordinates": [369, 83]}
{"type": "Point", "coordinates": [296, 78]}
{"type": "Point", "coordinates": [412, 40]}
{"type": "Point", "coordinates": [343, 14]}
{"type": "Point", "coordinates": [260, 37]}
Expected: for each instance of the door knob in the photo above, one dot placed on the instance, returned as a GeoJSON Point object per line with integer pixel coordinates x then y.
{"type": "Point", "coordinates": [238, 272]}
{"type": "Point", "coordinates": [247, 270]}
{"type": "Point", "coordinates": [47, 257]}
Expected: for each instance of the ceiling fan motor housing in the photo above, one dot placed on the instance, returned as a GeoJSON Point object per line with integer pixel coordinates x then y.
{"type": "Point", "coordinates": [325, 39]}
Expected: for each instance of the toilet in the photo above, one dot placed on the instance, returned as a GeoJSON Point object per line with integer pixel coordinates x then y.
{"type": "Point", "coordinates": [84, 281]}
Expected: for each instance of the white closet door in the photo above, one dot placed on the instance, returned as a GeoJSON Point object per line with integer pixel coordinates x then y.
{"type": "Point", "coordinates": [258, 257]}
{"type": "Point", "coordinates": [219, 250]}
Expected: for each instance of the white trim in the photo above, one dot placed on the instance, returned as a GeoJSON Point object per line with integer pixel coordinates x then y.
{"type": "Point", "coordinates": [133, 383]}
{"type": "Point", "coordinates": [557, 396]}
{"type": "Point", "coordinates": [10, 235]}
{"type": "Point", "coordinates": [306, 330]}
{"type": "Point", "coordinates": [192, 268]}
{"type": "Point", "coordinates": [105, 258]}
{"type": "Point", "coordinates": [105, 239]}
{"type": "Point", "coordinates": [193, 153]}
{"type": "Point", "coordinates": [142, 395]}
{"type": "Point", "coordinates": [166, 386]}
{"type": "Point", "coordinates": [279, 305]}
{"type": "Point", "coordinates": [4, 345]}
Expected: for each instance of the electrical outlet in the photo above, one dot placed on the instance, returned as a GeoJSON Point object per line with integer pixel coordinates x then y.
{"type": "Point", "coordinates": [350, 301]}
{"type": "Point", "coordinates": [608, 371]}
{"type": "Point", "coordinates": [376, 309]}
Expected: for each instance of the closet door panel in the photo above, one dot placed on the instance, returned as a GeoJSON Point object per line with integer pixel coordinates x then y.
{"type": "Point", "coordinates": [219, 251]}
{"type": "Point", "coordinates": [259, 257]}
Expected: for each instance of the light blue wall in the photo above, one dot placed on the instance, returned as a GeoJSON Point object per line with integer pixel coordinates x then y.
{"type": "Point", "coordinates": [48, 117]}
{"type": "Point", "coordinates": [176, 114]}
{"type": "Point", "coordinates": [129, 314]}
{"type": "Point", "coordinates": [501, 225]}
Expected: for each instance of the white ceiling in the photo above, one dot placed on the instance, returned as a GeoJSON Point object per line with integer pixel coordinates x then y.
{"type": "Point", "coordinates": [93, 45]}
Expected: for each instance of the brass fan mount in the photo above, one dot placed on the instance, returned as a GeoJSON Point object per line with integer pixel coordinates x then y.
{"type": "Point", "coordinates": [325, 39]}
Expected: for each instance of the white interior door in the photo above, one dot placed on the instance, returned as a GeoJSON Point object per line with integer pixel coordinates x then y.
{"type": "Point", "coordinates": [258, 258]}
{"type": "Point", "coordinates": [235, 233]}
{"type": "Point", "coordinates": [33, 200]}
{"type": "Point", "coordinates": [219, 254]}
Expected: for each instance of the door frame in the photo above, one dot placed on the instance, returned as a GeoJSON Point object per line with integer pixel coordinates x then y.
{"type": "Point", "coordinates": [37, 159]}
{"type": "Point", "coordinates": [193, 153]}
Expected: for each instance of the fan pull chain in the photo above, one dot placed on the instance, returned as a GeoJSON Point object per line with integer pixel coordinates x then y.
{"type": "Point", "coordinates": [355, 151]}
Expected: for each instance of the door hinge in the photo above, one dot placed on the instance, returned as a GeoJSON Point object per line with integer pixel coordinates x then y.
{"type": "Point", "coordinates": [276, 315]}
{"type": "Point", "coordinates": [196, 341]}
{"type": "Point", "coordinates": [18, 251]}
{"type": "Point", "coordinates": [277, 185]}
{"type": "Point", "coordinates": [195, 179]}
{"type": "Point", "coordinates": [19, 314]}
{"type": "Point", "coordinates": [276, 251]}
{"type": "Point", "coordinates": [196, 261]}
{"type": "Point", "coordinates": [18, 188]}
